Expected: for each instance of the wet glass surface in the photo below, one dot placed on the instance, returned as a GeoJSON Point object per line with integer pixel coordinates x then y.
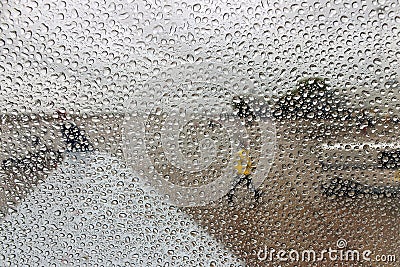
{"type": "Point", "coordinates": [213, 133]}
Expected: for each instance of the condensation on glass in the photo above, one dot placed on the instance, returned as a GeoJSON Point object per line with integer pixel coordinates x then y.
{"type": "Point", "coordinates": [187, 133]}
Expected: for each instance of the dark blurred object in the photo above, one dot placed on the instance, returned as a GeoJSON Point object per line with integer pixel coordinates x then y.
{"type": "Point", "coordinates": [40, 158]}
{"type": "Point", "coordinates": [311, 99]}
{"type": "Point", "coordinates": [75, 138]}
{"type": "Point", "coordinates": [34, 162]}
{"type": "Point", "coordinates": [24, 171]}
{"type": "Point", "coordinates": [342, 187]}
{"type": "Point", "coordinates": [389, 159]}
{"type": "Point", "coordinates": [346, 188]}
{"type": "Point", "coordinates": [241, 105]}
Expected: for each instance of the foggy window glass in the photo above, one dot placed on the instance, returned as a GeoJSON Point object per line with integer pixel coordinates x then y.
{"type": "Point", "coordinates": [199, 133]}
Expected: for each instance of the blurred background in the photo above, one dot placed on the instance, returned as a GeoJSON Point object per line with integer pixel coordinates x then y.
{"type": "Point", "coordinates": [74, 74]}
